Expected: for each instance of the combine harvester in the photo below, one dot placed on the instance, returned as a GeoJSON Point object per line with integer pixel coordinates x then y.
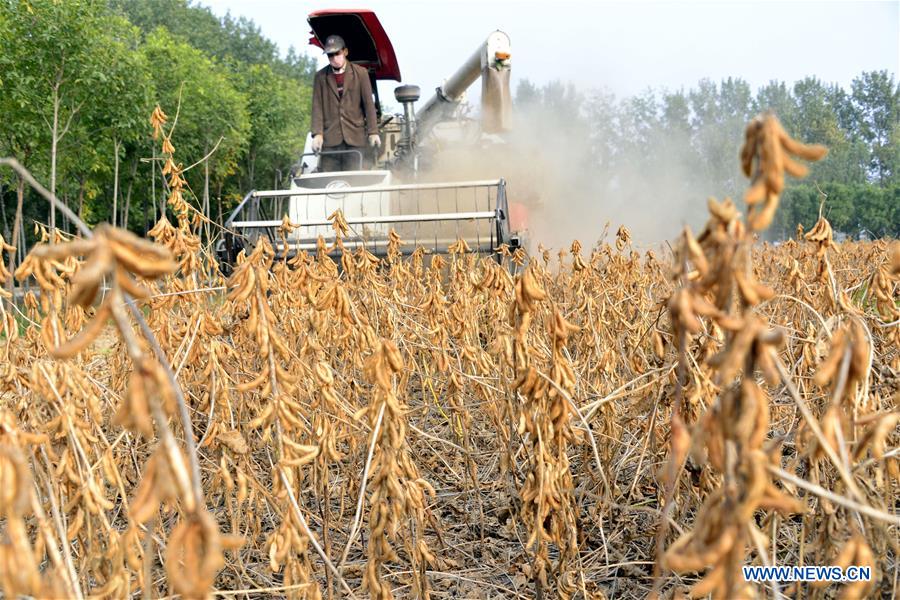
{"type": "Point", "coordinates": [400, 193]}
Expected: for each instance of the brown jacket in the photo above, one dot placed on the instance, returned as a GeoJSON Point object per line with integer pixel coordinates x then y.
{"type": "Point", "coordinates": [348, 119]}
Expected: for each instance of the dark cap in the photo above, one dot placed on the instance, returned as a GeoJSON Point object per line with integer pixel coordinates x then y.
{"type": "Point", "coordinates": [334, 43]}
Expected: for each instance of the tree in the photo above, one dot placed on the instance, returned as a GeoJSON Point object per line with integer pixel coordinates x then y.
{"type": "Point", "coordinates": [213, 113]}
{"type": "Point", "coordinates": [526, 93]}
{"type": "Point", "coordinates": [640, 122]}
{"type": "Point", "coordinates": [892, 197]}
{"type": "Point", "coordinates": [245, 43]}
{"type": "Point", "coordinates": [682, 160]}
{"type": "Point", "coordinates": [776, 97]}
{"type": "Point", "coordinates": [839, 206]}
{"type": "Point", "coordinates": [876, 108]}
{"type": "Point", "coordinates": [799, 206]}
{"type": "Point", "coordinates": [297, 65]}
{"type": "Point", "coordinates": [117, 118]}
{"type": "Point", "coordinates": [21, 131]}
{"type": "Point", "coordinates": [873, 211]}
{"type": "Point", "coordinates": [195, 25]}
{"type": "Point", "coordinates": [56, 48]}
{"type": "Point", "coordinates": [816, 122]}
{"type": "Point", "coordinates": [676, 113]}
{"type": "Point", "coordinates": [720, 115]}
{"type": "Point", "coordinates": [601, 124]}
{"type": "Point", "coordinates": [233, 41]}
{"type": "Point", "coordinates": [278, 108]}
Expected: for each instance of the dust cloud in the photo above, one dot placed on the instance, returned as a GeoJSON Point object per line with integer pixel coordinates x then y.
{"type": "Point", "coordinates": [561, 170]}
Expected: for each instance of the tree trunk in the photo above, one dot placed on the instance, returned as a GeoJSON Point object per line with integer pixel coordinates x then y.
{"type": "Point", "coordinates": [81, 198]}
{"type": "Point", "coordinates": [7, 234]}
{"type": "Point", "coordinates": [53, 141]}
{"type": "Point", "coordinates": [22, 248]}
{"type": "Point", "coordinates": [163, 186]}
{"type": "Point", "coordinates": [65, 219]}
{"type": "Point", "coordinates": [17, 225]}
{"type": "Point", "coordinates": [148, 227]}
{"type": "Point", "coordinates": [206, 209]}
{"type": "Point", "coordinates": [134, 164]}
{"type": "Point", "coordinates": [163, 190]}
{"type": "Point", "coordinates": [115, 208]}
{"type": "Point", "coordinates": [219, 199]}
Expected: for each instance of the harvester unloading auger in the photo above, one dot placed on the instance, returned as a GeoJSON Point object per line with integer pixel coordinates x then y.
{"type": "Point", "coordinates": [398, 193]}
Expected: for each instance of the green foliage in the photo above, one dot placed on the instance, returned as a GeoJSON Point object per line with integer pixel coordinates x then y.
{"type": "Point", "coordinates": [107, 63]}
{"type": "Point", "coordinates": [857, 209]}
{"type": "Point", "coordinates": [775, 96]}
{"type": "Point", "coordinates": [50, 52]}
{"type": "Point", "coordinates": [234, 41]}
{"type": "Point", "coordinates": [113, 123]}
{"type": "Point", "coordinates": [279, 117]}
{"type": "Point", "coordinates": [128, 92]}
{"type": "Point", "coordinates": [876, 109]}
{"type": "Point", "coordinates": [71, 74]}
{"type": "Point", "coordinates": [276, 91]}
{"type": "Point", "coordinates": [20, 129]}
{"type": "Point", "coordinates": [211, 107]}
{"type": "Point", "coordinates": [194, 25]}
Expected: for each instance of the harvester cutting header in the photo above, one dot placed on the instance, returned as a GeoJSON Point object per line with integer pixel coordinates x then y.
{"type": "Point", "coordinates": [375, 167]}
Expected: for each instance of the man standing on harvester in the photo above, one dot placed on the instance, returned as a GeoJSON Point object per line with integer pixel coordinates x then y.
{"type": "Point", "coordinates": [343, 111]}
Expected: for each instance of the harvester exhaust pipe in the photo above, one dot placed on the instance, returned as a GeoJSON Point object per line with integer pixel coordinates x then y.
{"type": "Point", "coordinates": [407, 95]}
{"type": "Point", "coordinates": [491, 62]}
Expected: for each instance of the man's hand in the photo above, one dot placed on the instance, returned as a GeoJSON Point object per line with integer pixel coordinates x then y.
{"type": "Point", "coordinates": [318, 140]}
{"type": "Point", "coordinates": [375, 140]}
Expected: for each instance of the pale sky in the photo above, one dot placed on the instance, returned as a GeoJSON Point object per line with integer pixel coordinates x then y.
{"type": "Point", "coordinates": [624, 47]}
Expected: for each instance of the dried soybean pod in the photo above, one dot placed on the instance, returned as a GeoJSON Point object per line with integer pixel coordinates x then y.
{"type": "Point", "coordinates": [84, 337]}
